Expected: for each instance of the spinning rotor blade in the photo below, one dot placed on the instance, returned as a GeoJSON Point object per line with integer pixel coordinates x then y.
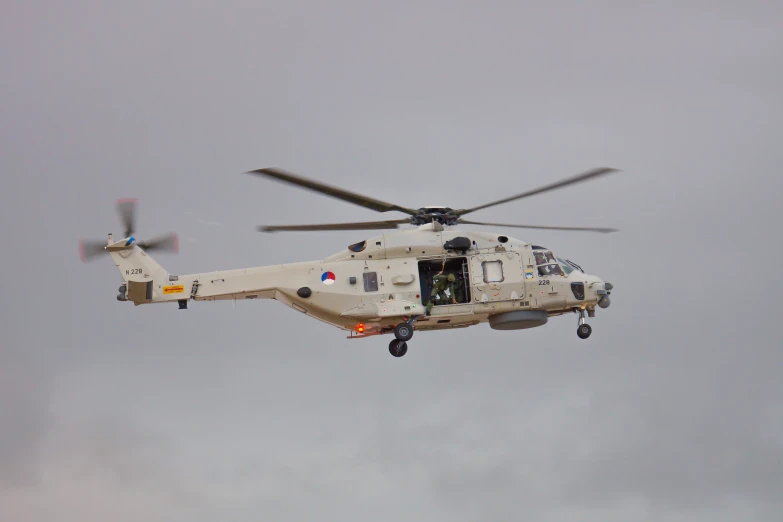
{"type": "Point", "coordinates": [127, 210]}
{"type": "Point", "coordinates": [591, 174]}
{"type": "Point", "coordinates": [351, 197]}
{"type": "Point", "coordinates": [90, 249]}
{"type": "Point", "coordinates": [542, 227]}
{"type": "Point", "coordinates": [167, 243]}
{"type": "Point", "coordinates": [367, 225]}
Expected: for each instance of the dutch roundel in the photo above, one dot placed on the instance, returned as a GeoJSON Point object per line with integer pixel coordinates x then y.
{"type": "Point", "coordinates": [327, 278]}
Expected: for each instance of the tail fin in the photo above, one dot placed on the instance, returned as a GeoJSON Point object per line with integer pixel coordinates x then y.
{"type": "Point", "coordinates": [144, 280]}
{"type": "Point", "coordinates": [142, 275]}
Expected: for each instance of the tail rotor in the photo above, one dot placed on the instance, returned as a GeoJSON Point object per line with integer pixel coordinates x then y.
{"type": "Point", "coordinates": [126, 208]}
{"type": "Point", "coordinates": [90, 249]}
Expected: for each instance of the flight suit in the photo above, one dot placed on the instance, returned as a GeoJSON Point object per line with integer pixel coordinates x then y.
{"type": "Point", "coordinates": [459, 289]}
{"type": "Point", "coordinates": [440, 284]}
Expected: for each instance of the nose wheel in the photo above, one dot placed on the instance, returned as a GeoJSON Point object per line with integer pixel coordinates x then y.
{"type": "Point", "coordinates": [583, 330]}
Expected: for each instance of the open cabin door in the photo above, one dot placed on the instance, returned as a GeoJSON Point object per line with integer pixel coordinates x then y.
{"type": "Point", "coordinates": [456, 266]}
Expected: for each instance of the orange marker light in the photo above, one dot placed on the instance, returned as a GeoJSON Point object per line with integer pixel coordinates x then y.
{"type": "Point", "coordinates": [360, 328]}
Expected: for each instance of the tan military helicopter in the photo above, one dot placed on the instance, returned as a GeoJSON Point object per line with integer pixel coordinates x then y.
{"type": "Point", "coordinates": [431, 277]}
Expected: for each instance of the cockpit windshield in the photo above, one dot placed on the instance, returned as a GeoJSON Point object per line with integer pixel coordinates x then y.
{"type": "Point", "coordinates": [566, 266]}
{"type": "Point", "coordinates": [550, 265]}
{"type": "Point", "coordinates": [547, 264]}
{"type": "Point", "coordinates": [572, 264]}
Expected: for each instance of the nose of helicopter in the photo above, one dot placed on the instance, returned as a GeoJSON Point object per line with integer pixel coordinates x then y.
{"type": "Point", "coordinates": [603, 300]}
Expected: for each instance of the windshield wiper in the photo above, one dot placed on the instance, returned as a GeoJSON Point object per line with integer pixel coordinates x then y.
{"type": "Point", "coordinates": [575, 265]}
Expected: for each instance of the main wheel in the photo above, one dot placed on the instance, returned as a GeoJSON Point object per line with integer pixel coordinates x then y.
{"type": "Point", "coordinates": [584, 331]}
{"type": "Point", "coordinates": [398, 348]}
{"type": "Point", "coordinates": [403, 332]}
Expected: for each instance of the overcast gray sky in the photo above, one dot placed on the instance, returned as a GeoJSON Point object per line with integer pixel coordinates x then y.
{"type": "Point", "coordinates": [671, 411]}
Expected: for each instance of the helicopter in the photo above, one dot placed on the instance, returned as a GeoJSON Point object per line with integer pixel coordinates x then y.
{"type": "Point", "coordinates": [429, 277]}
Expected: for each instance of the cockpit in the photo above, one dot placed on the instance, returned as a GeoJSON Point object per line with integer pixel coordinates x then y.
{"type": "Point", "coordinates": [549, 265]}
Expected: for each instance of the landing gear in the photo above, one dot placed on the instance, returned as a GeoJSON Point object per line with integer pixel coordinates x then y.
{"type": "Point", "coordinates": [584, 330]}
{"type": "Point", "coordinates": [398, 348]}
{"type": "Point", "coordinates": [403, 331]}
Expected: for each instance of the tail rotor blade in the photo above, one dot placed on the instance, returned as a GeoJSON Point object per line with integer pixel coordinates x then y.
{"type": "Point", "coordinates": [88, 250]}
{"type": "Point", "coordinates": [127, 209]}
{"type": "Point", "coordinates": [167, 243]}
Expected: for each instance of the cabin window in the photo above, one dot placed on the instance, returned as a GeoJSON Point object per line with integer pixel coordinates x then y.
{"type": "Point", "coordinates": [370, 281]}
{"type": "Point", "coordinates": [493, 271]}
{"type": "Point", "coordinates": [358, 247]}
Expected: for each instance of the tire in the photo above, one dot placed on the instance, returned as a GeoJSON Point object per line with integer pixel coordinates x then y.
{"type": "Point", "coordinates": [403, 332]}
{"type": "Point", "coordinates": [584, 331]}
{"type": "Point", "coordinates": [398, 348]}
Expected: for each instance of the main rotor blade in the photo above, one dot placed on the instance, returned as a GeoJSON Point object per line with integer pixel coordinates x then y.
{"type": "Point", "coordinates": [167, 243]}
{"type": "Point", "coordinates": [90, 249]}
{"type": "Point", "coordinates": [351, 197]}
{"type": "Point", "coordinates": [585, 176]}
{"type": "Point", "coordinates": [542, 227]}
{"type": "Point", "coordinates": [127, 210]}
{"type": "Point", "coordinates": [367, 225]}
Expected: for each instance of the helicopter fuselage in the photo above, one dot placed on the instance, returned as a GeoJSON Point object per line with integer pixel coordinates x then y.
{"type": "Point", "coordinates": [374, 285]}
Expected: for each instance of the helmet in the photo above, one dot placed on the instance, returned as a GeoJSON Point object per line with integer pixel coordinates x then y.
{"type": "Point", "coordinates": [452, 278]}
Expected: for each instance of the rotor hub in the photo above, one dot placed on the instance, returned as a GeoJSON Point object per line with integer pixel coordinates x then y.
{"type": "Point", "coordinates": [443, 215]}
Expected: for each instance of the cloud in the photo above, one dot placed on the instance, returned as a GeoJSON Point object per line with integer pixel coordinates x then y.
{"type": "Point", "coordinates": [25, 389]}
{"type": "Point", "coordinates": [669, 412]}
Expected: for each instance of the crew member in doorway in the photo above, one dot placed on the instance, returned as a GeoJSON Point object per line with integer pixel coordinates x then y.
{"type": "Point", "coordinates": [459, 289]}
{"type": "Point", "coordinates": [441, 283]}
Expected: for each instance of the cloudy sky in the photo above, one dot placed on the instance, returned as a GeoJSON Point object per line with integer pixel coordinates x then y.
{"type": "Point", "coordinates": [671, 411]}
